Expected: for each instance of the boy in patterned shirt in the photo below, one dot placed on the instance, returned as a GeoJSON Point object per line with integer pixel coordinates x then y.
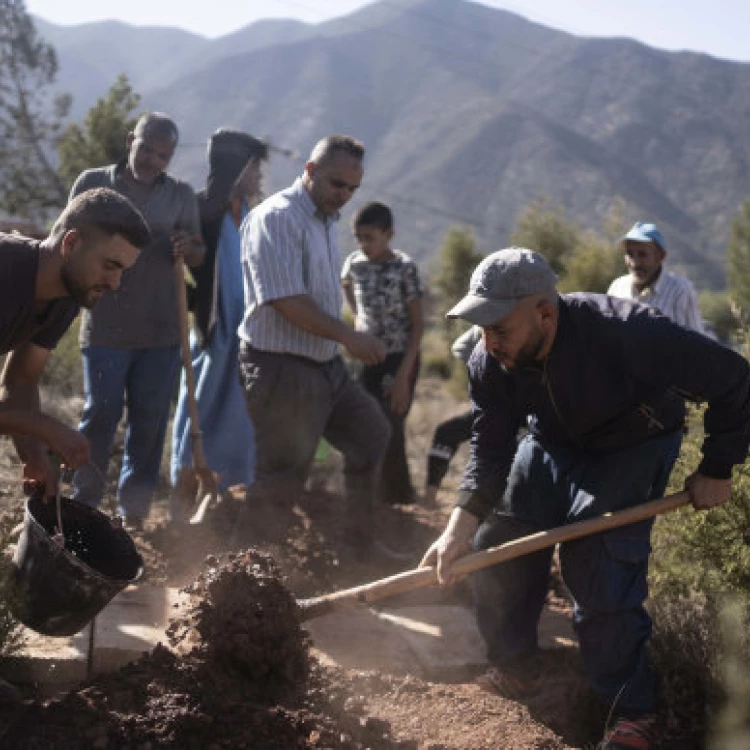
{"type": "Point", "coordinates": [383, 289]}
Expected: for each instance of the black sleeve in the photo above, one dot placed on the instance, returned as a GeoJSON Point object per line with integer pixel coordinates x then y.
{"type": "Point", "coordinates": [493, 440]}
{"type": "Point", "coordinates": [700, 369]}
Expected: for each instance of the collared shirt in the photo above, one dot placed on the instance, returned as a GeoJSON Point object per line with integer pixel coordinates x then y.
{"type": "Point", "coordinates": [670, 294]}
{"type": "Point", "coordinates": [383, 292]}
{"type": "Point", "coordinates": [288, 249]}
{"type": "Point", "coordinates": [142, 313]}
{"type": "Point", "coordinates": [22, 319]}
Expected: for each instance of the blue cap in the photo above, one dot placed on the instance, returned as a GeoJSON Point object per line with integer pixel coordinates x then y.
{"type": "Point", "coordinates": [642, 232]}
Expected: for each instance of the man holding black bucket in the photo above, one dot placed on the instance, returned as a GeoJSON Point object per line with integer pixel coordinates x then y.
{"type": "Point", "coordinates": [42, 286]}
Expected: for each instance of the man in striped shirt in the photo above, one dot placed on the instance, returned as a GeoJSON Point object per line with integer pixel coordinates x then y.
{"type": "Point", "coordinates": [296, 384]}
{"type": "Point", "coordinates": [650, 283]}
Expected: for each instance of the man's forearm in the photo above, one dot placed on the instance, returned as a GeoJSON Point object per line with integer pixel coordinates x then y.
{"type": "Point", "coordinates": [304, 313]}
{"type": "Point", "coordinates": [27, 429]}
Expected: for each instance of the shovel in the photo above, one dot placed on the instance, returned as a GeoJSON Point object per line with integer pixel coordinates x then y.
{"type": "Point", "coordinates": [207, 491]}
{"type": "Point", "coordinates": [420, 577]}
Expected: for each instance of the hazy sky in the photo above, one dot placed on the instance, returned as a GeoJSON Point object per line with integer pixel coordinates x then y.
{"type": "Point", "coordinates": [718, 28]}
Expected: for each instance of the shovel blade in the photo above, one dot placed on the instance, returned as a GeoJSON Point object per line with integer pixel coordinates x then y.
{"type": "Point", "coordinates": [206, 502]}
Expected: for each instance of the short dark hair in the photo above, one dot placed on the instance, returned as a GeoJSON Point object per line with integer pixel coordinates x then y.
{"type": "Point", "coordinates": [332, 144]}
{"type": "Point", "coordinates": [105, 211]}
{"type": "Point", "coordinates": [158, 123]}
{"type": "Point", "coordinates": [374, 214]}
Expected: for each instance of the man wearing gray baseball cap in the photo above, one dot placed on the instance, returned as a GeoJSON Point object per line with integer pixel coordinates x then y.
{"type": "Point", "coordinates": [593, 378]}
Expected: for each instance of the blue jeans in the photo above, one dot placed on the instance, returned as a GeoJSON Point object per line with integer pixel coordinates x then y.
{"type": "Point", "coordinates": [146, 377]}
{"type": "Point", "coordinates": [605, 573]}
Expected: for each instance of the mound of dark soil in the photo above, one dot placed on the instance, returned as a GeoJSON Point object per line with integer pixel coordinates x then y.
{"type": "Point", "coordinates": [240, 677]}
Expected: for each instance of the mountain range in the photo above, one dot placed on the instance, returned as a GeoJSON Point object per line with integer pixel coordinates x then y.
{"type": "Point", "coordinates": [468, 114]}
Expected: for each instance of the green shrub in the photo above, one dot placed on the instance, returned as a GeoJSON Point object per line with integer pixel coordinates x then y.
{"type": "Point", "coordinates": [685, 655]}
{"type": "Point", "coordinates": [732, 727]}
{"type": "Point", "coordinates": [704, 553]}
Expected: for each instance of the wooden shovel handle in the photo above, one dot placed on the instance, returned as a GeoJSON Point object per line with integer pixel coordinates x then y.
{"type": "Point", "coordinates": [414, 579]}
{"type": "Point", "coordinates": [196, 437]}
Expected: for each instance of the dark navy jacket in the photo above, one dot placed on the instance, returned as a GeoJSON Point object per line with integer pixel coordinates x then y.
{"type": "Point", "coordinates": [616, 375]}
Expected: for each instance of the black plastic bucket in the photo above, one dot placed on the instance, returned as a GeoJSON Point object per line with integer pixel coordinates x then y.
{"type": "Point", "coordinates": [58, 590]}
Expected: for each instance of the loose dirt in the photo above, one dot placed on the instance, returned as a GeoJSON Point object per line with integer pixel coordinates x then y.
{"type": "Point", "coordinates": [238, 671]}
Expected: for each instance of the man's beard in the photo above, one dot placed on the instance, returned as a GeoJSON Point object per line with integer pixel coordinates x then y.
{"type": "Point", "coordinates": [85, 297]}
{"type": "Point", "coordinates": [528, 355]}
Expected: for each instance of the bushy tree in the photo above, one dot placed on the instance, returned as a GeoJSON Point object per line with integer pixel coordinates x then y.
{"type": "Point", "coordinates": [738, 255]}
{"type": "Point", "coordinates": [543, 227]}
{"type": "Point", "coordinates": [30, 117]}
{"type": "Point", "coordinates": [718, 312]}
{"type": "Point", "coordinates": [457, 260]}
{"type": "Point", "coordinates": [591, 266]}
{"type": "Point", "coordinates": [596, 261]}
{"type": "Point", "coordinates": [101, 139]}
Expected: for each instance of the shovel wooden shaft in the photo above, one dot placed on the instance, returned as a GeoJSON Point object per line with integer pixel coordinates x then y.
{"type": "Point", "coordinates": [196, 438]}
{"type": "Point", "coordinates": [413, 579]}
{"type": "Point", "coordinates": [207, 488]}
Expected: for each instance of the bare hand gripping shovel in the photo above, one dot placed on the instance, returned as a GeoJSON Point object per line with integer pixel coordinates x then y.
{"type": "Point", "coordinates": [420, 577]}
{"type": "Point", "coordinates": [207, 490]}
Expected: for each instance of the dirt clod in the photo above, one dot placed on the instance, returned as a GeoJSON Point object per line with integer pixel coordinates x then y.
{"type": "Point", "coordinates": [240, 676]}
{"type": "Point", "coordinates": [245, 620]}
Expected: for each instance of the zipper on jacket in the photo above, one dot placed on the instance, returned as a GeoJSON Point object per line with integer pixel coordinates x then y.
{"type": "Point", "coordinates": [653, 423]}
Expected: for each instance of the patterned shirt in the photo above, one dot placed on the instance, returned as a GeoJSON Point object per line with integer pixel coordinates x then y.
{"type": "Point", "coordinates": [288, 249]}
{"type": "Point", "coordinates": [672, 295]}
{"type": "Point", "coordinates": [383, 292]}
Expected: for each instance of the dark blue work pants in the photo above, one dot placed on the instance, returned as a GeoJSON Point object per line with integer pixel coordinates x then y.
{"type": "Point", "coordinates": [605, 573]}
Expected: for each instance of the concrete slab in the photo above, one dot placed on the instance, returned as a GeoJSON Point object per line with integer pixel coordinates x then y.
{"type": "Point", "coordinates": [362, 639]}
{"type": "Point", "coordinates": [431, 641]}
{"type": "Point", "coordinates": [129, 626]}
{"type": "Point", "coordinates": [445, 640]}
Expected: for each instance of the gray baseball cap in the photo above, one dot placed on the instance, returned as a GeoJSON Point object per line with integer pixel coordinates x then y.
{"type": "Point", "coordinates": [500, 281]}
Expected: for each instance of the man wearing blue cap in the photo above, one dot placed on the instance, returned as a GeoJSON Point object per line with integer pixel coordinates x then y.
{"type": "Point", "coordinates": [647, 280]}
{"type": "Point", "coordinates": [594, 379]}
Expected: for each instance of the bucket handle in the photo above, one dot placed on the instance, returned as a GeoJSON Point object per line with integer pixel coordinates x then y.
{"type": "Point", "coordinates": [59, 537]}
{"type": "Point", "coordinates": [66, 476]}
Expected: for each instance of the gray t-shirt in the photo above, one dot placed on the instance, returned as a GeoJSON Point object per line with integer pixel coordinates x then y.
{"type": "Point", "coordinates": [142, 313]}
{"type": "Point", "coordinates": [22, 319]}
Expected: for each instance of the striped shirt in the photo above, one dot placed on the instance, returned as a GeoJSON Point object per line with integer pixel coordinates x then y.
{"type": "Point", "coordinates": [670, 294]}
{"type": "Point", "coordinates": [289, 248]}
